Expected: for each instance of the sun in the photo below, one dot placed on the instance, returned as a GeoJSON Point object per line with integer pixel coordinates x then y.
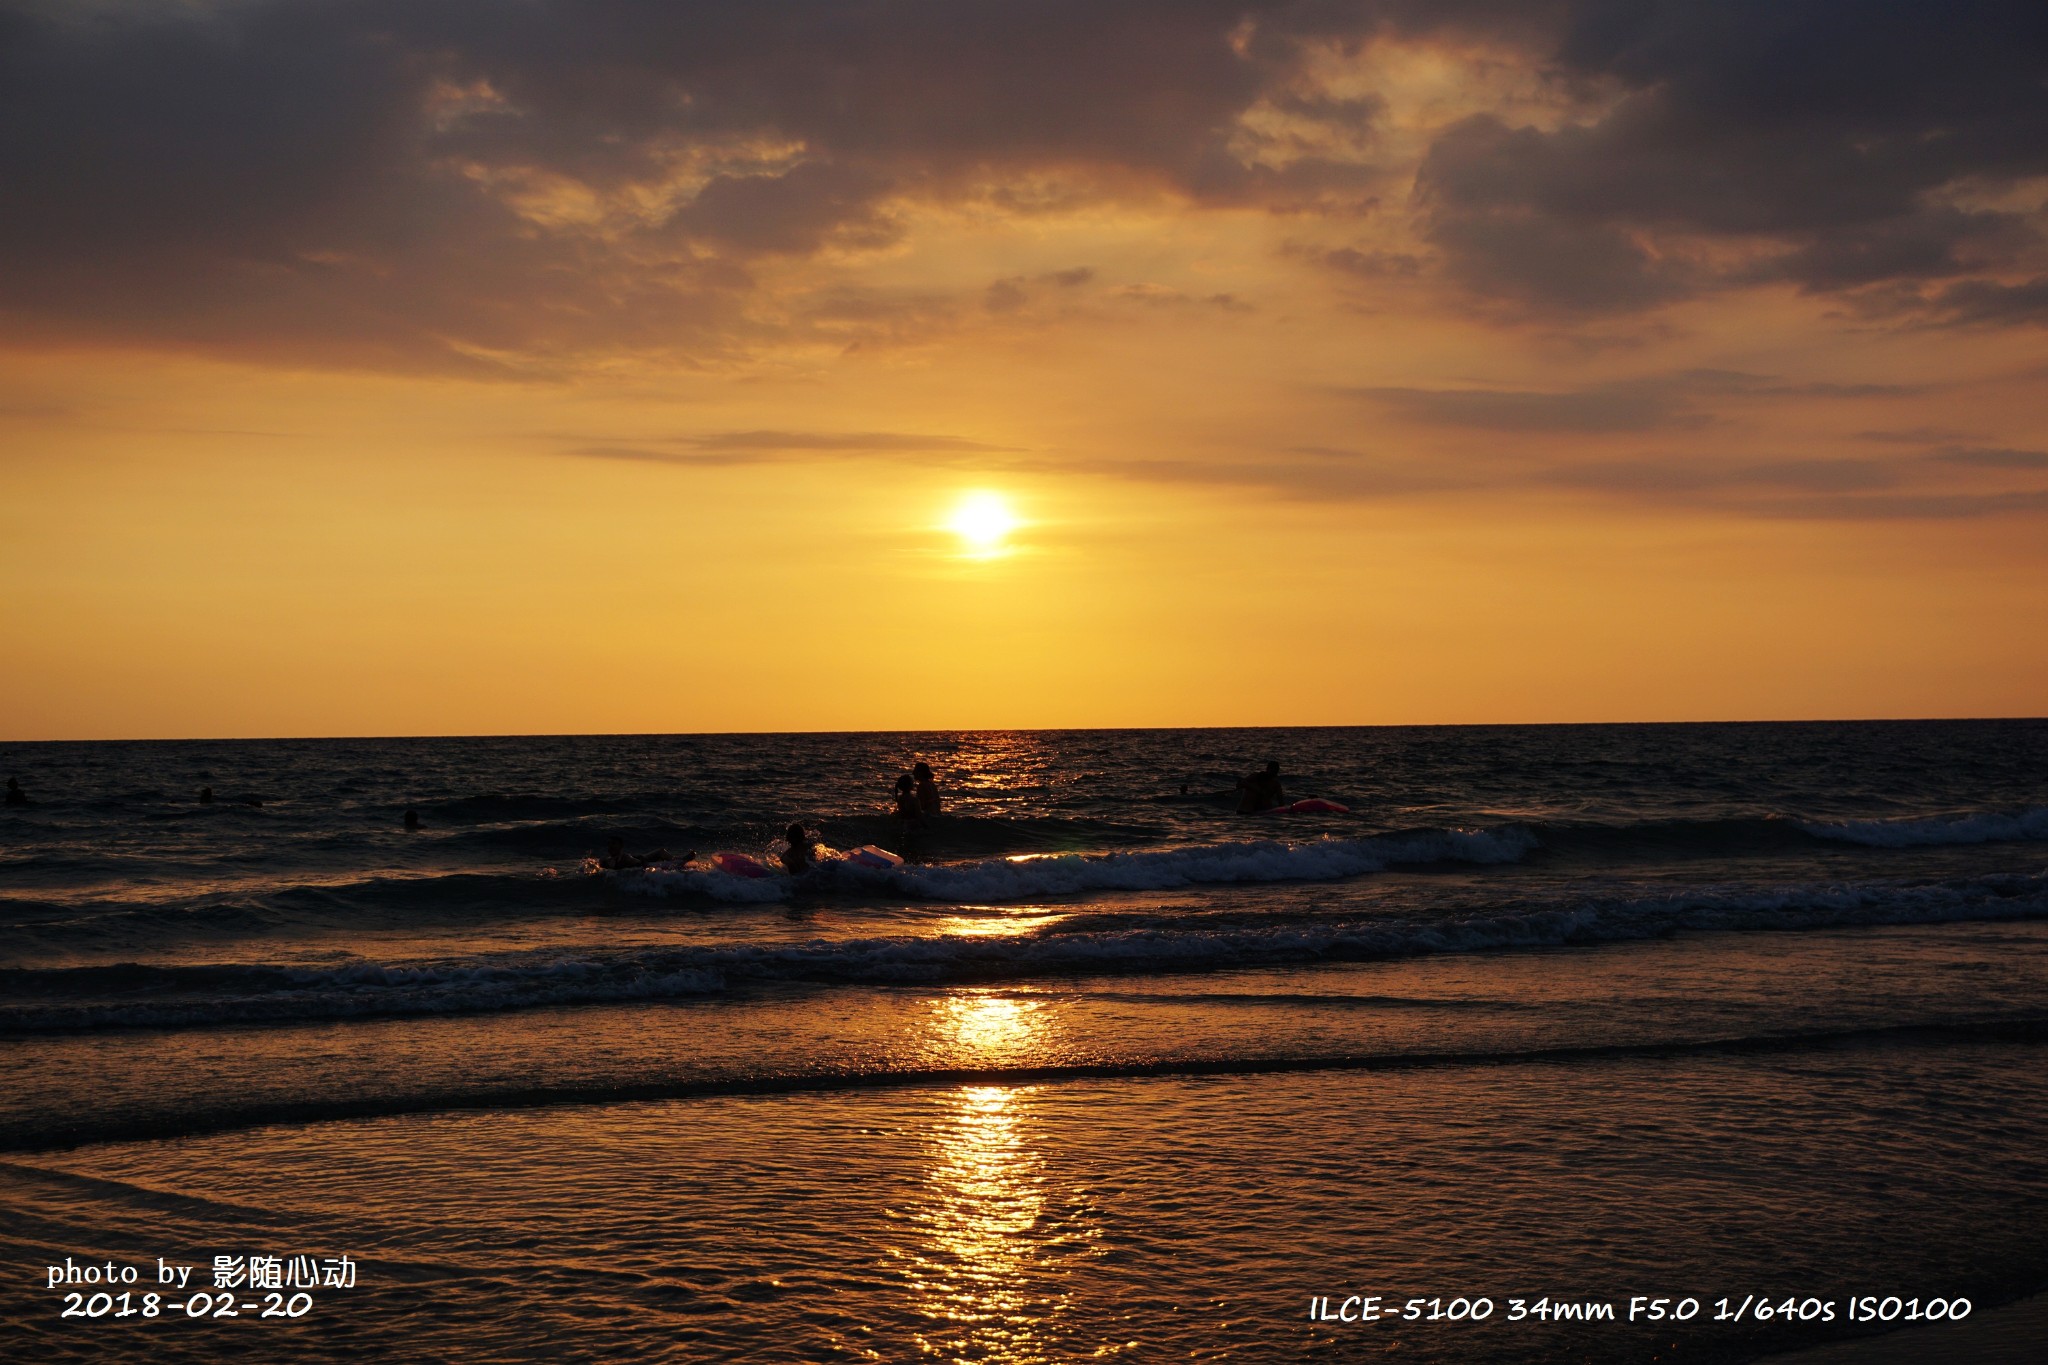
{"type": "Point", "coordinates": [983, 521]}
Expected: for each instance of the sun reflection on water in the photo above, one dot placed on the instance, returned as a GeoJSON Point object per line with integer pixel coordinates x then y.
{"type": "Point", "coordinates": [1004, 923]}
{"type": "Point", "coordinates": [979, 1277]}
{"type": "Point", "coordinates": [977, 1028]}
{"type": "Point", "coordinates": [992, 1230]}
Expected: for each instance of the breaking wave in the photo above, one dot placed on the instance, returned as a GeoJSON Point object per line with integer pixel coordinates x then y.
{"type": "Point", "coordinates": [87, 998]}
{"type": "Point", "coordinates": [1965, 827]}
{"type": "Point", "coordinates": [1032, 876]}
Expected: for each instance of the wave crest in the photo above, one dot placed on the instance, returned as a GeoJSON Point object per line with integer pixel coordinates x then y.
{"type": "Point", "coordinates": [231, 994]}
{"type": "Point", "coordinates": [1033, 876]}
{"type": "Point", "coordinates": [1963, 827]}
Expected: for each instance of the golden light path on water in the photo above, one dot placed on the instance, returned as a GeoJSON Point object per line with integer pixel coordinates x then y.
{"type": "Point", "coordinates": [997, 921]}
{"type": "Point", "coordinates": [991, 1230]}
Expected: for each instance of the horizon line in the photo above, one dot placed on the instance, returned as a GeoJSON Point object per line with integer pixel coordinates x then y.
{"type": "Point", "coordinates": [1025, 729]}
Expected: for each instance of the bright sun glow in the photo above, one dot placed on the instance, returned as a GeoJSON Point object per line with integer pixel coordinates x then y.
{"type": "Point", "coordinates": [984, 521]}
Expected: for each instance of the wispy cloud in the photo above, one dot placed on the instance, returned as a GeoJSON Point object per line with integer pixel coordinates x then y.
{"type": "Point", "coordinates": [1992, 457]}
{"type": "Point", "coordinates": [1657, 402]}
{"type": "Point", "coordinates": [766, 447]}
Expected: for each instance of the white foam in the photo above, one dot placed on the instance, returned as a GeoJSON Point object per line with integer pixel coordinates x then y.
{"type": "Point", "coordinates": [711, 884]}
{"type": "Point", "coordinates": [525, 980]}
{"type": "Point", "coordinates": [1029, 877]}
{"type": "Point", "coordinates": [1965, 827]}
{"type": "Point", "coordinates": [1162, 944]}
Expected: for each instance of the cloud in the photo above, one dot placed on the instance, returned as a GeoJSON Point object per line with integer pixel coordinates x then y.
{"type": "Point", "coordinates": [1834, 489]}
{"type": "Point", "coordinates": [1991, 302]}
{"type": "Point", "coordinates": [1622, 406]}
{"type": "Point", "coordinates": [796, 211]}
{"type": "Point", "coordinates": [1660, 476]}
{"type": "Point", "coordinates": [1483, 190]}
{"type": "Point", "coordinates": [1908, 507]}
{"type": "Point", "coordinates": [766, 447]}
{"type": "Point", "coordinates": [1914, 436]}
{"type": "Point", "coordinates": [1644, 404]}
{"type": "Point", "coordinates": [1814, 139]}
{"type": "Point", "coordinates": [1012, 292]}
{"type": "Point", "coordinates": [1992, 457]}
{"type": "Point", "coordinates": [466, 185]}
{"type": "Point", "coordinates": [1165, 296]}
{"type": "Point", "coordinates": [490, 189]}
{"type": "Point", "coordinates": [1327, 474]}
{"type": "Point", "coordinates": [1370, 265]}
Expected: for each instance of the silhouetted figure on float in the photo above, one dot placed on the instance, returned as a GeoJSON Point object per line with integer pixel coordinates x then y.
{"type": "Point", "coordinates": [618, 860]}
{"type": "Point", "coordinates": [1261, 791]}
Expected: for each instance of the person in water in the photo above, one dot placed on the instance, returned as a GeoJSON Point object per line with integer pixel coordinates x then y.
{"type": "Point", "coordinates": [1261, 791]}
{"type": "Point", "coordinates": [906, 799]}
{"type": "Point", "coordinates": [412, 821]}
{"type": "Point", "coordinates": [206, 796]}
{"type": "Point", "coordinates": [927, 788]}
{"type": "Point", "coordinates": [15, 795]}
{"type": "Point", "coordinates": [802, 854]}
{"type": "Point", "coordinates": [617, 859]}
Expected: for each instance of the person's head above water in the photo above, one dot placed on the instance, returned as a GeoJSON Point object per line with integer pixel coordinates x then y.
{"type": "Point", "coordinates": [922, 770]}
{"type": "Point", "coordinates": [905, 781]}
{"type": "Point", "coordinates": [616, 844]}
{"type": "Point", "coordinates": [1272, 767]}
{"type": "Point", "coordinates": [795, 834]}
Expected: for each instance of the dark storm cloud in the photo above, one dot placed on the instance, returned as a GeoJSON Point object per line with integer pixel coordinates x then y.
{"type": "Point", "coordinates": [1816, 133]}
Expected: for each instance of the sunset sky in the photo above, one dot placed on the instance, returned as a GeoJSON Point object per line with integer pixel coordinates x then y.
{"type": "Point", "coordinates": [410, 367]}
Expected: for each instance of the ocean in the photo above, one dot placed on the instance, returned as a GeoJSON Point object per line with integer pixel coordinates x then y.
{"type": "Point", "coordinates": [1554, 1025]}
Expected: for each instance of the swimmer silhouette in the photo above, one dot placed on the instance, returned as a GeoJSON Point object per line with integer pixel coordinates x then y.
{"type": "Point", "coordinates": [15, 795]}
{"type": "Point", "coordinates": [618, 860]}
{"type": "Point", "coordinates": [412, 821]}
{"type": "Point", "coordinates": [206, 796]}
{"type": "Point", "coordinates": [802, 853]}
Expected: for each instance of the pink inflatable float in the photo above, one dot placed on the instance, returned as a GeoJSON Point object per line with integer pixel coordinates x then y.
{"type": "Point", "coordinates": [1315, 805]}
{"type": "Point", "coordinates": [867, 855]}
{"type": "Point", "coordinates": [740, 865]}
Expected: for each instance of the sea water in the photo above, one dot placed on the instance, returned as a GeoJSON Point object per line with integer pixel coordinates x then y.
{"type": "Point", "coordinates": [1554, 1017]}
